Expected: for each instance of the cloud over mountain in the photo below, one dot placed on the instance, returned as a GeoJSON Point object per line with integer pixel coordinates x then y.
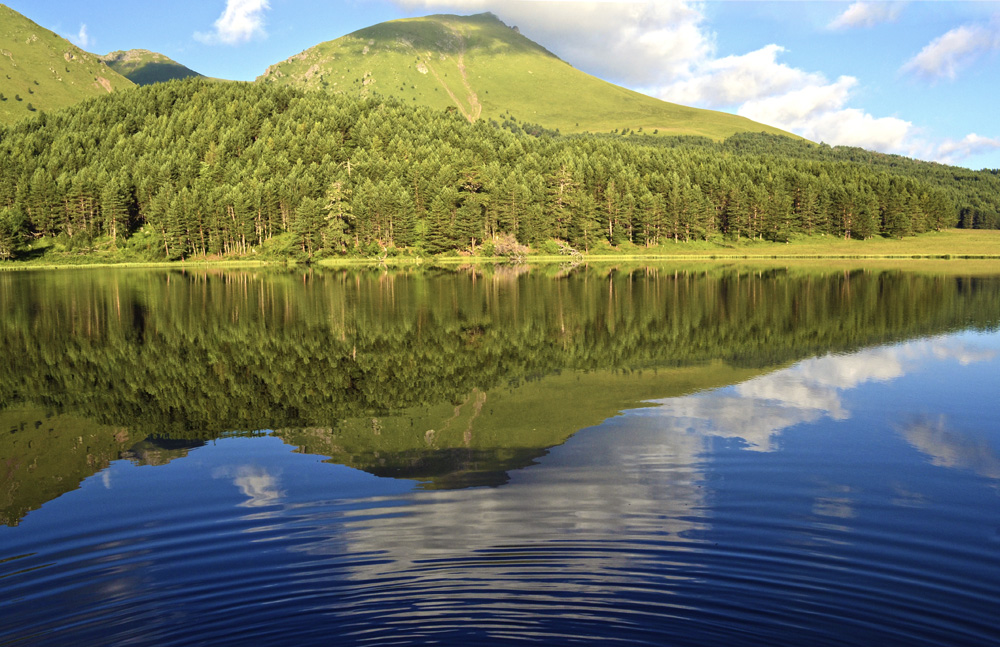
{"type": "Point", "coordinates": [241, 21]}
{"type": "Point", "coordinates": [760, 87]}
{"type": "Point", "coordinates": [952, 150]}
{"type": "Point", "coordinates": [82, 39]}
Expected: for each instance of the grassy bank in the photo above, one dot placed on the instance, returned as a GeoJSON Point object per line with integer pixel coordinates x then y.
{"type": "Point", "coordinates": [961, 246]}
{"type": "Point", "coordinates": [949, 243]}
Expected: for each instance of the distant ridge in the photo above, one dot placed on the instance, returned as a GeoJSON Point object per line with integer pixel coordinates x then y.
{"type": "Point", "coordinates": [143, 67]}
{"type": "Point", "coordinates": [40, 70]}
{"type": "Point", "coordinates": [487, 70]}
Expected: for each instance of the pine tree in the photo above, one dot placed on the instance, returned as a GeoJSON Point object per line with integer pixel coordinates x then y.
{"type": "Point", "coordinates": [559, 202]}
{"type": "Point", "coordinates": [339, 217]}
{"type": "Point", "coordinates": [13, 231]}
{"type": "Point", "coordinates": [440, 221]}
{"type": "Point", "coordinates": [308, 225]}
{"type": "Point", "coordinates": [586, 222]}
{"type": "Point", "coordinates": [115, 209]}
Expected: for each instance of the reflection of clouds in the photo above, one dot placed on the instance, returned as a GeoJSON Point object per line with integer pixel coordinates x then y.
{"type": "Point", "coordinates": [106, 479]}
{"type": "Point", "coordinates": [850, 371]}
{"type": "Point", "coordinates": [837, 504]}
{"type": "Point", "coordinates": [590, 505]}
{"type": "Point", "coordinates": [904, 497]}
{"type": "Point", "coordinates": [630, 498]}
{"type": "Point", "coordinates": [260, 487]}
{"type": "Point", "coordinates": [964, 354]}
{"type": "Point", "coordinates": [758, 409]}
{"type": "Point", "coordinates": [837, 507]}
{"type": "Point", "coordinates": [948, 448]}
{"type": "Point", "coordinates": [750, 419]}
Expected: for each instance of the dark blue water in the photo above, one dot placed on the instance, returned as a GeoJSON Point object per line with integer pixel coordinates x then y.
{"type": "Point", "coordinates": [848, 498]}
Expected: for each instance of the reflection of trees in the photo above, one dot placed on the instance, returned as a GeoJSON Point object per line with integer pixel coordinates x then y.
{"type": "Point", "coordinates": [179, 351]}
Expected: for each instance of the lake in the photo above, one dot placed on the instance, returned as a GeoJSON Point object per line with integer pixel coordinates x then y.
{"type": "Point", "coordinates": [683, 455]}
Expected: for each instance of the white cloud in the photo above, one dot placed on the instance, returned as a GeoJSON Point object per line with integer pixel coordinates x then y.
{"type": "Point", "coordinates": [867, 14]}
{"type": "Point", "coordinates": [954, 151]}
{"type": "Point", "coordinates": [943, 57]}
{"type": "Point", "coordinates": [82, 39]}
{"type": "Point", "coordinates": [818, 113]}
{"type": "Point", "coordinates": [761, 88]}
{"type": "Point", "coordinates": [239, 22]}
{"type": "Point", "coordinates": [732, 80]}
{"type": "Point", "coordinates": [632, 42]}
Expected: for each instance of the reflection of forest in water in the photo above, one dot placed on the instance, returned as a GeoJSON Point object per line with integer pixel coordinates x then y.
{"type": "Point", "coordinates": [450, 377]}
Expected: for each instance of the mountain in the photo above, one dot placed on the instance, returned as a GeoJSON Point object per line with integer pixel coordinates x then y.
{"type": "Point", "coordinates": [487, 70]}
{"type": "Point", "coordinates": [40, 70]}
{"type": "Point", "coordinates": [143, 67]}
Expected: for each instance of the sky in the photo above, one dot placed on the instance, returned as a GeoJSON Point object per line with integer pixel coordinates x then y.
{"type": "Point", "coordinates": [918, 78]}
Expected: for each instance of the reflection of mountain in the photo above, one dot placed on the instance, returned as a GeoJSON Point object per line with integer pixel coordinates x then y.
{"type": "Point", "coordinates": [43, 455]}
{"type": "Point", "coordinates": [476, 442]}
{"type": "Point", "coordinates": [159, 451]}
{"type": "Point", "coordinates": [479, 440]}
{"type": "Point", "coordinates": [448, 377]}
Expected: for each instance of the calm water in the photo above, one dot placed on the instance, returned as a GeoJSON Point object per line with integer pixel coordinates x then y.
{"type": "Point", "coordinates": [659, 456]}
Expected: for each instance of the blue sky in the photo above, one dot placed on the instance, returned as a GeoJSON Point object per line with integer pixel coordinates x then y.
{"type": "Point", "coordinates": [917, 78]}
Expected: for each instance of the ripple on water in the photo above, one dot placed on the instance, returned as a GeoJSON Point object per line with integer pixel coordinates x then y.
{"type": "Point", "coordinates": [676, 565]}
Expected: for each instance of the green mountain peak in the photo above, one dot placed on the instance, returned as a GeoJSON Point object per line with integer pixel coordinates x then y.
{"type": "Point", "coordinates": [143, 67]}
{"type": "Point", "coordinates": [486, 69]}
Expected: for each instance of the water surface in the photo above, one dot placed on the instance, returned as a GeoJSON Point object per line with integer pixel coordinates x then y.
{"type": "Point", "coordinates": [660, 456]}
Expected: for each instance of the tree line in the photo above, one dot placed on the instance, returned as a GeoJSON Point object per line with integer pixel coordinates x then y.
{"type": "Point", "coordinates": [196, 168]}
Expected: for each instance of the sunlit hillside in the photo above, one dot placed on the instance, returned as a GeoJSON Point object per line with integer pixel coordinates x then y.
{"type": "Point", "coordinates": [40, 70]}
{"type": "Point", "coordinates": [488, 70]}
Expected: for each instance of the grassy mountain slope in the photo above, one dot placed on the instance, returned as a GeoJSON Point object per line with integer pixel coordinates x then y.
{"type": "Point", "coordinates": [143, 67]}
{"type": "Point", "coordinates": [485, 69]}
{"type": "Point", "coordinates": [40, 70]}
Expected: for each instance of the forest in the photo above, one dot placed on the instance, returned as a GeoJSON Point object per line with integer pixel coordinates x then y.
{"type": "Point", "coordinates": [196, 168]}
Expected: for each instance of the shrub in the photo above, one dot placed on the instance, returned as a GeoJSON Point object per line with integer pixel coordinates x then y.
{"type": "Point", "coordinates": [507, 246]}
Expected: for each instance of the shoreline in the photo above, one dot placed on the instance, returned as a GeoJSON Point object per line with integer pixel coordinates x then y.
{"type": "Point", "coordinates": [953, 264]}
{"type": "Point", "coordinates": [981, 246]}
